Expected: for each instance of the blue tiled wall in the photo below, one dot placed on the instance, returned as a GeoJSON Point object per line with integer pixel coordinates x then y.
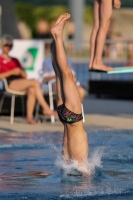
{"type": "Point", "coordinates": [83, 75]}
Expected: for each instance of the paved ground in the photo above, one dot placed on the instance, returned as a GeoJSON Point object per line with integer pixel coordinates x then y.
{"type": "Point", "coordinates": [99, 114]}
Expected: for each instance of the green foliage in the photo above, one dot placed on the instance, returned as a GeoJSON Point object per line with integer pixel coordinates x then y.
{"type": "Point", "coordinates": [44, 2]}
{"type": "Point", "coordinates": [32, 14]}
{"type": "Point", "coordinates": [25, 13]}
{"type": "Point", "coordinates": [48, 12]}
{"type": "Point", "coordinates": [88, 15]}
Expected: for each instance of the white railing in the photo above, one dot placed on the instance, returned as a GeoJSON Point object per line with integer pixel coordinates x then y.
{"type": "Point", "coordinates": [114, 50]}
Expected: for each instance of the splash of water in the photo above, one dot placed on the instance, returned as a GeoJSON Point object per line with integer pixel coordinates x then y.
{"type": "Point", "coordinates": [95, 160]}
{"type": "Point", "coordinates": [73, 167]}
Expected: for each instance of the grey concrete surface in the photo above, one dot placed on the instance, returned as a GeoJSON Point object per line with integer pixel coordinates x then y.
{"type": "Point", "coordinates": [99, 114]}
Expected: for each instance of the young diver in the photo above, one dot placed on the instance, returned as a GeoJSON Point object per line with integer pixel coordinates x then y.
{"type": "Point", "coordinates": [75, 141]}
{"type": "Point", "coordinates": [103, 10]}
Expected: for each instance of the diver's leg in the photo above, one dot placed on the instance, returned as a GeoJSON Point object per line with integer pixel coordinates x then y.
{"type": "Point", "coordinates": [69, 88]}
{"type": "Point", "coordinates": [71, 97]}
{"type": "Point", "coordinates": [60, 100]}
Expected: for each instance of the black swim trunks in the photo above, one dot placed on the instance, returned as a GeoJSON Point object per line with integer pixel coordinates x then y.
{"type": "Point", "coordinates": [12, 78]}
{"type": "Point", "coordinates": [67, 116]}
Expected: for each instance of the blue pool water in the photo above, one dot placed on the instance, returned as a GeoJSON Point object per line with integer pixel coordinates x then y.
{"type": "Point", "coordinates": [25, 158]}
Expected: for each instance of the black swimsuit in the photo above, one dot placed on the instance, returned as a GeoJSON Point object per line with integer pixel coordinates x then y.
{"type": "Point", "coordinates": [67, 116]}
{"type": "Point", "coordinates": [12, 78]}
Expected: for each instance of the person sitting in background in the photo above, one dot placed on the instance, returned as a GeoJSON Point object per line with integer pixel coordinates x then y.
{"type": "Point", "coordinates": [49, 74]}
{"type": "Point", "coordinates": [11, 69]}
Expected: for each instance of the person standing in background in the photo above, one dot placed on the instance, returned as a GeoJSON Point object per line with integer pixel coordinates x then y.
{"type": "Point", "coordinates": [103, 10]}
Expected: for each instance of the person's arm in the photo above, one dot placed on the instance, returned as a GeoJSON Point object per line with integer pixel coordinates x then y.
{"type": "Point", "coordinates": [117, 4]}
{"type": "Point", "coordinates": [15, 72]}
{"type": "Point", "coordinates": [22, 72]}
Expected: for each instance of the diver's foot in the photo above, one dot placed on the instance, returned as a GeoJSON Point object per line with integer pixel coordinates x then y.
{"type": "Point", "coordinates": [101, 67]}
{"type": "Point", "coordinates": [31, 121]}
{"type": "Point", "coordinates": [57, 29]}
{"type": "Point", "coordinates": [50, 112]}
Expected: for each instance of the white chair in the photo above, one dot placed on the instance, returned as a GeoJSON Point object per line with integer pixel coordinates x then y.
{"type": "Point", "coordinates": [83, 114]}
{"type": "Point", "coordinates": [48, 90]}
{"type": "Point", "coordinates": [82, 108]}
{"type": "Point", "coordinates": [12, 94]}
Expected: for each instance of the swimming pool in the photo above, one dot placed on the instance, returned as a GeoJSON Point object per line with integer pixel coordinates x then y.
{"type": "Point", "coordinates": [26, 157]}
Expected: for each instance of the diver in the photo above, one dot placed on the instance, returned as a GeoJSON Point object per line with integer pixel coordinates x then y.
{"type": "Point", "coordinates": [75, 140]}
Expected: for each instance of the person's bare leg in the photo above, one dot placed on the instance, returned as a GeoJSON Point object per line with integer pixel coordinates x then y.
{"type": "Point", "coordinates": [82, 92]}
{"type": "Point", "coordinates": [106, 10]}
{"type": "Point", "coordinates": [24, 84]}
{"type": "Point", "coordinates": [75, 147]}
{"type": "Point", "coordinates": [69, 89]}
{"type": "Point", "coordinates": [78, 146]}
{"type": "Point", "coordinates": [60, 101]}
{"type": "Point", "coordinates": [65, 145]}
{"type": "Point", "coordinates": [94, 32]}
{"type": "Point", "coordinates": [66, 155]}
{"type": "Point", "coordinates": [67, 151]}
{"type": "Point", "coordinates": [71, 97]}
{"type": "Point", "coordinates": [31, 100]}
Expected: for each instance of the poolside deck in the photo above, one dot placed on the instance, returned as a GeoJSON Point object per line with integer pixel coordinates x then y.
{"type": "Point", "coordinates": [99, 114]}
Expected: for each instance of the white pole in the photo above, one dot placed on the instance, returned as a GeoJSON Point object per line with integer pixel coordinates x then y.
{"type": "Point", "coordinates": [77, 10]}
